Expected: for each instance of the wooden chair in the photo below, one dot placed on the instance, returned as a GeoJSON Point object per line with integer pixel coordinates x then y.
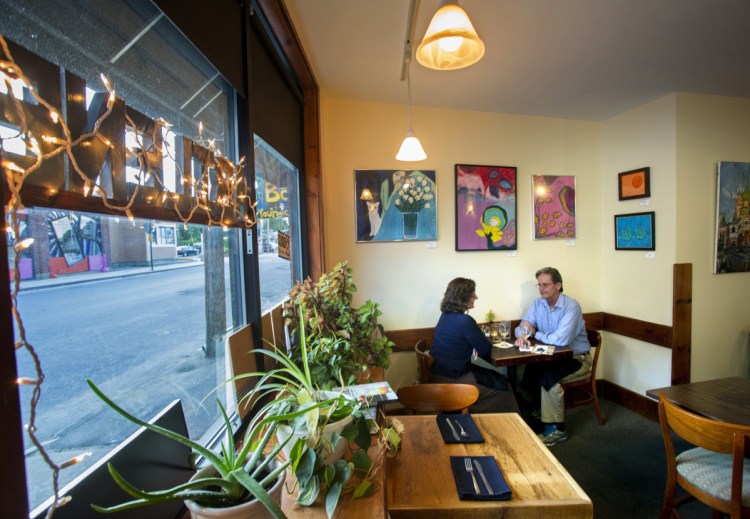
{"type": "Point", "coordinates": [713, 471]}
{"type": "Point", "coordinates": [438, 398]}
{"type": "Point", "coordinates": [424, 360]}
{"type": "Point", "coordinates": [582, 391]}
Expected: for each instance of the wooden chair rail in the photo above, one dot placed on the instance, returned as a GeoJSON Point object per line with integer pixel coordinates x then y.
{"type": "Point", "coordinates": [653, 333]}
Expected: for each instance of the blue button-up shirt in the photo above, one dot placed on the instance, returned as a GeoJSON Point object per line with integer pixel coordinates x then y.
{"type": "Point", "coordinates": [561, 325]}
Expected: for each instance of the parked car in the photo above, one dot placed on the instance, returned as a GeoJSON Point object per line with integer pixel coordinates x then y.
{"type": "Point", "coordinates": [187, 250]}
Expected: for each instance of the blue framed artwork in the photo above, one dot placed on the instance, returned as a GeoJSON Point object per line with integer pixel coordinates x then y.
{"type": "Point", "coordinates": [635, 231]}
{"type": "Point", "coordinates": [395, 205]}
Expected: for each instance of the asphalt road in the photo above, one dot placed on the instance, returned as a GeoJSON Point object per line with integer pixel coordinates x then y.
{"type": "Point", "coordinates": [140, 339]}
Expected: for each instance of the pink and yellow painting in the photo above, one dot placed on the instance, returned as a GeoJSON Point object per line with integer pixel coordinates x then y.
{"type": "Point", "coordinates": [485, 207]}
{"type": "Point", "coordinates": [554, 207]}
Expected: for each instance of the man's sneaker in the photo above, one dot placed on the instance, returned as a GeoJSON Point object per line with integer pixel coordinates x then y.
{"type": "Point", "coordinates": [552, 435]}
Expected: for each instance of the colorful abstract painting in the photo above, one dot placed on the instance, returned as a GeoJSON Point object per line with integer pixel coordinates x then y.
{"type": "Point", "coordinates": [554, 207]}
{"type": "Point", "coordinates": [395, 205]}
{"type": "Point", "coordinates": [732, 218]}
{"type": "Point", "coordinates": [635, 231]}
{"type": "Point", "coordinates": [485, 207]}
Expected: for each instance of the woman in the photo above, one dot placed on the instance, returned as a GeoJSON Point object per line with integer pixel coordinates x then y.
{"type": "Point", "coordinates": [457, 336]}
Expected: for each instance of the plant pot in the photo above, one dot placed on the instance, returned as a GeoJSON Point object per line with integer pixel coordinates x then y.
{"type": "Point", "coordinates": [284, 431]}
{"type": "Point", "coordinates": [249, 510]}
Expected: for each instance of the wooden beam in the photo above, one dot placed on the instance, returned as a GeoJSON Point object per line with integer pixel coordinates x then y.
{"type": "Point", "coordinates": [281, 25]}
{"type": "Point", "coordinates": [645, 331]}
{"type": "Point", "coordinates": [13, 501]}
{"type": "Point", "coordinates": [682, 311]}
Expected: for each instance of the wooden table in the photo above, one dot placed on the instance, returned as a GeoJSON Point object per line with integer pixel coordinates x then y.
{"type": "Point", "coordinates": [724, 399]}
{"type": "Point", "coordinates": [514, 357]}
{"type": "Point", "coordinates": [419, 480]}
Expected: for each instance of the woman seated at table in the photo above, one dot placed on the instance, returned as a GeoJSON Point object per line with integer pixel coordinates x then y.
{"type": "Point", "coordinates": [457, 336]}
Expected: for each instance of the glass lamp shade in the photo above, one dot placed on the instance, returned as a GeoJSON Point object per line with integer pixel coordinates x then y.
{"type": "Point", "coordinates": [411, 149]}
{"type": "Point", "coordinates": [450, 42]}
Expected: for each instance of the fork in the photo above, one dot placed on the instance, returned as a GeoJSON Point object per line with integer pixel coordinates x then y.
{"type": "Point", "coordinates": [470, 470]}
{"type": "Point", "coordinates": [463, 433]}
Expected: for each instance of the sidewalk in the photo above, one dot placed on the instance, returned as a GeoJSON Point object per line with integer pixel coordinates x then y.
{"type": "Point", "coordinates": [89, 277]}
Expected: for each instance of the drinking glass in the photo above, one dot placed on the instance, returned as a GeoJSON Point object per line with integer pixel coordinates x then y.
{"type": "Point", "coordinates": [505, 330]}
{"type": "Point", "coordinates": [494, 332]}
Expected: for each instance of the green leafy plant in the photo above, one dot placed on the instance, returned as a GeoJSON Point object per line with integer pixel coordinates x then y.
{"type": "Point", "coordinates": [489, 316]}
{"type": "Point", "coordinates": [240, 474]}
{"type": "Point", "coordinates": [346, 339]}
{"type": "Point", "coordinates": [294, 398]}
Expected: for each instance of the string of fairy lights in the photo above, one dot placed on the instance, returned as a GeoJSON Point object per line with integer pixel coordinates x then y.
{"type": "Point", "coordinates": [233, 203]}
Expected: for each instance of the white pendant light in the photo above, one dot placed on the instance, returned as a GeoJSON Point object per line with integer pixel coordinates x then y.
{"type": "Point", "coordinates": [450, 42]}
{"type": "Point", "coordinates": [411, 149]}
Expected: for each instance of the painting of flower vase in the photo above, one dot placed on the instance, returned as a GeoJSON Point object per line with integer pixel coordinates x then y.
{"type": "Point", "coordinates": [395, 205]}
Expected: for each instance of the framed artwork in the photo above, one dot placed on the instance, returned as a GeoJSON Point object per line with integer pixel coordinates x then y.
{"type": "Point", "coordinates": [395, 205]}
{"type": "Point", "coordinates": [732, 251]}
{"type": "Point", "coordinates": [635, 231]}
{"type": "Point", "coordinates": [485, 207]}
{"type": "Point", "coordinates": [554, 207]}
{"type": "Point", "coordinates": [634, 184]}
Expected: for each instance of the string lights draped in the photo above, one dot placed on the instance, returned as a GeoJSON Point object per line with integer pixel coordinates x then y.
{"type": "Point", "coordinates": [230, 207]}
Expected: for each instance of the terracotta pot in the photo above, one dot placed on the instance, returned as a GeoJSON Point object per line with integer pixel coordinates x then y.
{"type": "Point", "coordinates": [283, 432]}
{"type": "Point", "coordinates": [250, 510]}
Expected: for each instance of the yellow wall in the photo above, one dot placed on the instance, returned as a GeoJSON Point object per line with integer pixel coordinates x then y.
{"type": "Point", "coordinates": [632, 284]}
{"type": "Point", "coordinates": [407, 278]}
{"type": "Point", "coordinates": [679, 137]}
{"type": "Point", "coordinates": [711, 129]}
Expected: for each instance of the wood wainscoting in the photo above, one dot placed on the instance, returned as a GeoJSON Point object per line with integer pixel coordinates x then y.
{"type": "Point", "coordinates": [676, 337]}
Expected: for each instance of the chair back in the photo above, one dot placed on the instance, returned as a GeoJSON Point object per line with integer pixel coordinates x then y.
{"type": "Point", "coordinates": [595, 340]}
{"type": "Point", "coordinates": [424, 360]}
{"type": "Point", "coordinates": [581, 391]}
{"type": "Point", "coordinates": [438, 398]}
{"type": "Point", "coordinates": [725, 438]}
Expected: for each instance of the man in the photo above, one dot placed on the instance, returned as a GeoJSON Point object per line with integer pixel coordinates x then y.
{"type": "Point", "coordinates": [555, 319]}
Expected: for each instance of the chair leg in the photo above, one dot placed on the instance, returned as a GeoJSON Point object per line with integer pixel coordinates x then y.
{"type": "Point", "coordinates": [667, 506]}
{"type": "Point", "coordinates": [595, 394]}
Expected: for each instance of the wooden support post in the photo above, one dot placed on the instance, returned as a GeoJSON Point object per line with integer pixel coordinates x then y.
{"type": "Point", "coordinates": [682, 313]}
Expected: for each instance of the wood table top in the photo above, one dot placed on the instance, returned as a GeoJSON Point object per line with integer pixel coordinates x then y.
{"type": "Point", "coordinates": [724, 399]}
{"type": "Point", "coordinates": [514, 357]}
{"type": "Point", "coordinates": [419, 480]}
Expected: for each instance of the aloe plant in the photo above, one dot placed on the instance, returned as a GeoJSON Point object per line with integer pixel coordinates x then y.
{"type": "Point", "coordinates": [238, 472]}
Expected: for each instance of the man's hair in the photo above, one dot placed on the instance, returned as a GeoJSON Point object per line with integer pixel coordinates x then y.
{"type": "Point", "coordinates": [457, 295]}
{"type": "Point", "coordinates": [556, 277]}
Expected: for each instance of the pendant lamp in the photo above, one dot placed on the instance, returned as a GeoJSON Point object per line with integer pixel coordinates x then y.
{"type": "Point", "coordinates": [450, 42]}
{"type": "Point", "coordinates": [411, 149]}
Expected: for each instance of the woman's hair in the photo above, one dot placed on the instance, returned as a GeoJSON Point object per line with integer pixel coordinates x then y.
{"type": "Point", "coordinates": [457, 295]}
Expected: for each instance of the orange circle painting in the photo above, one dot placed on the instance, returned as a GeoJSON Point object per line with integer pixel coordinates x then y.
{"type": "Point", "coordinates": [634, 184]}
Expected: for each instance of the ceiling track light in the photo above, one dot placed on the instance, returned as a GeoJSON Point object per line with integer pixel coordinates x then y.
{"type": "Point", "coordinates": [411, 149]}
{"type": "Point", "coordinates": [450, 42]}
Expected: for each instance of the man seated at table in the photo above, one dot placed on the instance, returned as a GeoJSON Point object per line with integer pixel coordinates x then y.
{"type": "Point", "coordinates": [555, 319]}
{"type": "Point", "coordinates": [457, 336]}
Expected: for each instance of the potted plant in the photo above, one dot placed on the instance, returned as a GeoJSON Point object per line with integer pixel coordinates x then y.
{"type": "Point", "coordinates": [347, 340]}
{"type": "Point", "coordinates": [324, 423]}
{"type": "Point", "coordinates": [235, 484]}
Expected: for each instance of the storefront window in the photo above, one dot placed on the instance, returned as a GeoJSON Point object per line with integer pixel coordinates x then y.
{"type": "Point", "coordinates": [89, 309]}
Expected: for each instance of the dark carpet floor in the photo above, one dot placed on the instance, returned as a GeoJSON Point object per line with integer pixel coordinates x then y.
{"type": "Point", "coordinates": [620, 465]}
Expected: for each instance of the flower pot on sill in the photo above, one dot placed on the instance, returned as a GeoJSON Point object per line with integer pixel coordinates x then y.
{"type": "Point", "coordinates": [253, 509]}
{"type": "Point", "coordinates": [283, 432]}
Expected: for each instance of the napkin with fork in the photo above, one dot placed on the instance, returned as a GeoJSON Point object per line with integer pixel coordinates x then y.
{"type": "Point", "coordinates": [494, 489]}
{"type": "Point", "coordinates": [447, 423]}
